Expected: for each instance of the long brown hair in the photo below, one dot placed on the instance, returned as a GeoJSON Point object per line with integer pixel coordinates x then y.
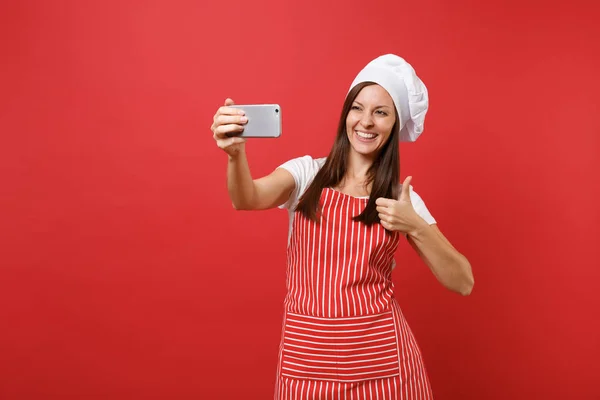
{"type": "Point", "coordinates": [384, 173]}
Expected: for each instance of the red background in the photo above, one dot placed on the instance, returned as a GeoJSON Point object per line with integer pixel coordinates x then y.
{"type": "Point", "coordinates": [125, 272]}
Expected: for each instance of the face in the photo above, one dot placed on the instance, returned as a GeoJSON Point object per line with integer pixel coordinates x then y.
{"type": "Point", "coordinates": [370, 120]}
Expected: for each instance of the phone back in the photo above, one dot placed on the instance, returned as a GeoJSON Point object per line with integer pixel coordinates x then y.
{"type": "Point", "coordinates": [264, 120]}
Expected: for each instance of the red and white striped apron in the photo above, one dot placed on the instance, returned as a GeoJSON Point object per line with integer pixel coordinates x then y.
{"type": "Point", "coordinates": [344, 335]}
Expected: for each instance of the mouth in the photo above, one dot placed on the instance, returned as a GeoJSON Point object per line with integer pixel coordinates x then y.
{"type": "Point", "coordinates": [365, 136]}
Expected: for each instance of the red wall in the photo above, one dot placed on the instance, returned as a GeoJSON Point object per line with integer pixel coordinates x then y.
{"type": "Point", "coordinates": [125, 272]}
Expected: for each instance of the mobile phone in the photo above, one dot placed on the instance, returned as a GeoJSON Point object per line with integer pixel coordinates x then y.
{"type": "Point", "coordinates": [264, 120]}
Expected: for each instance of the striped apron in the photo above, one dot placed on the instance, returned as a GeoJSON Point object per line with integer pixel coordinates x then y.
{"type": "Point", "coordinates": [344, 335]}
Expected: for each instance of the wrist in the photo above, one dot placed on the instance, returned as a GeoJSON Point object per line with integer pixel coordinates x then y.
{"type": "Point", "coordinates": [236, 152]}
{"type": "Point", "coordinates": [235, 156]}
{"type": "Point", "coordinates": [419, 229]}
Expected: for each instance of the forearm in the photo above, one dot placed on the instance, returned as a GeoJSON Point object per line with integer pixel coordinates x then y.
{"type": "Point", "coordinates": [451, 268]}
{"type": "Point", "coordinates": [240, 184]}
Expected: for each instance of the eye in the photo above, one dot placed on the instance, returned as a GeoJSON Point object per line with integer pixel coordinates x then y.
{"type": "Point", "coordinates": [355, 108]}
{"type": "Point", "coordinates": [381, 112]}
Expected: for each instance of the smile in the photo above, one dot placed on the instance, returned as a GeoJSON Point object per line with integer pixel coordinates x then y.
{"type": "Point", "coordinates": [365, 136]}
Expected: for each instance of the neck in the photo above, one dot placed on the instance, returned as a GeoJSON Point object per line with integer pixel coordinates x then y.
{"type": "Point", "coordinates": [357, 168]}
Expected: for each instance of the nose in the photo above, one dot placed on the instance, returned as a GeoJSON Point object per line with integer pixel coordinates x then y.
{"type": "Point", "coordinates": [366, 120]}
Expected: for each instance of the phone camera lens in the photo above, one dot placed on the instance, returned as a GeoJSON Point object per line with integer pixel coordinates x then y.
{"type": "Point", "coordinates": [276, 110]}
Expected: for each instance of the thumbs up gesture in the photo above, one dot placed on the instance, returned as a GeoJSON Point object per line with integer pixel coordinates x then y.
{"type": "Point", "coordinates": [398, 215]}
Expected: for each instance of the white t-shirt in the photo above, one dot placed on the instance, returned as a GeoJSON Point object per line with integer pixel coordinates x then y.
{"type": "Point", "coordinates": [304, 169]}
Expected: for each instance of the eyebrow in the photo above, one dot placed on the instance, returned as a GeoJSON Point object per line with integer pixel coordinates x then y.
{"type": "Point", "coordinates": [381, 106]}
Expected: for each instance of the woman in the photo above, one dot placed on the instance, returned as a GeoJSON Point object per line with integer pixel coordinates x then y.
{"type": "Point", "coordinates": [344, 335]}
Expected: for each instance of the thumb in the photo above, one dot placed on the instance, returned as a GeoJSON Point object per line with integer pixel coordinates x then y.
{"type": "Point", "coordinates": [405, 195]}
{"type": "Point", "coordinates": [229, 102]}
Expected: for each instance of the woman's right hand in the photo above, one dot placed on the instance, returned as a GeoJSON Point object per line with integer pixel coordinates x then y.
{"type": "Point", "coordinates": [228, 123]}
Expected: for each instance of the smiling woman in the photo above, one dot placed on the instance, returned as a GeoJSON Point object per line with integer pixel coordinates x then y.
{"type": "Point", "coordinates": [370, 120]}
{"type": "Point", "coordinates": [363, 161]}
{"type": "Point", "coordinates": [344, 333]}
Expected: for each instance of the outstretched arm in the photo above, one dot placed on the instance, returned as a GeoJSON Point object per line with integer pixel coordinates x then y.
{"type": "Point", "coordinates": [245, 192]}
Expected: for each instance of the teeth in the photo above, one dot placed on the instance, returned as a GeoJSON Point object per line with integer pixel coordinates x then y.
{"type": "Point", "coordinates": [365, 135]}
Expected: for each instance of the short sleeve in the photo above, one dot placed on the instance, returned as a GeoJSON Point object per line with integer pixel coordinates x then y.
{"type": "Point", "coordinates": [420, 207]}
{"type": "Point", "coordinates": [303, 169]}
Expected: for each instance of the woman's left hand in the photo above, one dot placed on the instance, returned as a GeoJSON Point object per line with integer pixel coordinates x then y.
{"type": "Point", "coordinates": [398, 215]}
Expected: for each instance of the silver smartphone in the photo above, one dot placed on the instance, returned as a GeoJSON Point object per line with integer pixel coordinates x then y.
{"type": "Point", "coordinates": [264, 120]}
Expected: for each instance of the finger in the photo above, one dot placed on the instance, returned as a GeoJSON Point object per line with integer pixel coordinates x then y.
{"type": "Point", "coordinates": [229, 102]}
{"type": "Point", "coordinates": [405, 195]}
{"type": "Point", "coordinates": [225, 143]}
{"type": "Point", "coordinates": [224, 110]}
{"type": "Point", "coordinates": [385, 218]}
{"type": "Point", "coordinates": [231, 119]}
{"type": "Point", "coordinates": [386, 225]}
{"type": "Point", "coordinates": [383, 202]}
{"type": "Point", "coordinates": [223, 131]}
{"type": "Point", "coordinates": [383, 210]}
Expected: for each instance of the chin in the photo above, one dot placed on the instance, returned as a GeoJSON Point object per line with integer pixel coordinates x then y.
{"type": "Point", "coordinates": [365, 148]}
